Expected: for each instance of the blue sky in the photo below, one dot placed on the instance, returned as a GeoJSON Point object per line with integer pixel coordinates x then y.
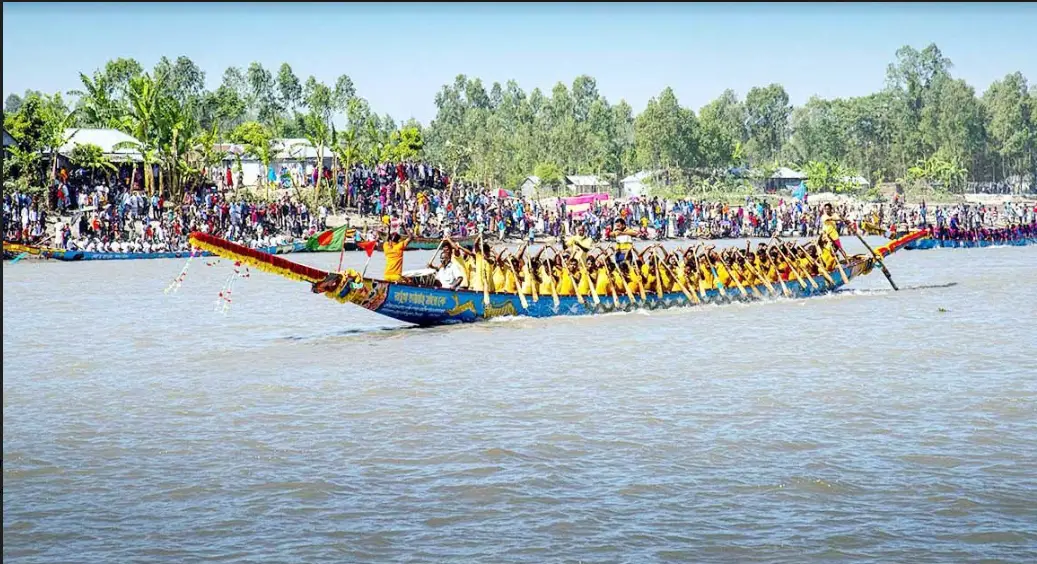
{"type": "Point", "coordinates": [400, 55]}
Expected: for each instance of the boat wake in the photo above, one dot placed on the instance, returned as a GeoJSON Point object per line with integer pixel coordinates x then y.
{"type": "Point", "coordinates": [857, 291]}
{"type": "Point", "coordinates": [519, 321]}
{"type": "Point", "coordinates": [357, 331]}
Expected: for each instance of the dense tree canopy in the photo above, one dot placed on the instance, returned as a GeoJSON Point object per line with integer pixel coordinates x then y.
{"type": "Point", "coordinates": [924, 125]}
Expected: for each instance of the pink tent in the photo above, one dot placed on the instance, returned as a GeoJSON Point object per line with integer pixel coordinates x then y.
{"type": "Point", "coordinates": [579, 205]}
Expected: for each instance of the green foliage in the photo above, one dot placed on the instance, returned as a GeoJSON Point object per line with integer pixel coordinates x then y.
{"type": "Point", "coordinates": [91, 158]}
{"type": "Point", "coordinates": [828, 176]}
{"type": "Point", "coordinates": [937, 173]}
{"type": "Point", "coordinates": [550, 176]}
{"type": "Point", "coordinates": [257, 140]}
{"type": "Point", "coordinates": [407, 144]}
{"type": "Point", "coordinates": [925, 127]}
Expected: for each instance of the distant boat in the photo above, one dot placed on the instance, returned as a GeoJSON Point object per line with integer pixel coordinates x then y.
{"type": "Point", "coordinates": [78, 255]}
{"type": "Point", "coordinates": [929, 243]}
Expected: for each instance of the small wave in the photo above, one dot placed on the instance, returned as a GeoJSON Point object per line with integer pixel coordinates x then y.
{"type": "Point", "coordinates": [343, 333]}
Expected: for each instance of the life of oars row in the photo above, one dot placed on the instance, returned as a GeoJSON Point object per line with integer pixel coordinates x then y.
{"type": "Point", "coordinates": [223, 299]}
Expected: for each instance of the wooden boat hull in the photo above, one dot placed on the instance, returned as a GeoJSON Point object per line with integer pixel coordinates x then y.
{"type": "Point", "coordinates": [925, 244]}
{"type": "Point", "coordinates": [77, 255]}
{"type": "Point", "coordinates": [428, 306]}
{"type": "Point", "coordinates": [435, 306]}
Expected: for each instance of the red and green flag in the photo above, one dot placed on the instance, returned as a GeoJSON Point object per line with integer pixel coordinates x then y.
{"type": "Point", "coordinates": [330, 240]}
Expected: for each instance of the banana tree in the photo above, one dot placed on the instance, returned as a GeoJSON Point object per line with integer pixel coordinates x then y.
{"type": "Point", "coordinates": [58, 135]}
{"type": "Point", "coordinates": [141, 121]}
{"type": "Point", "coordinates": [176, 127]}
{"type": "Point", "coordinates": [203, 154]}
{"type": "Point", "coordinates": [348, 150]}
{"type": "Point", "coordinates": [319, 135]}
{"type": "Point", "coordinates": [259, 142]}
{"type": "Point", "coordinates": [27, 162]}
{"type": "Point", "coordinates": [948, 174]}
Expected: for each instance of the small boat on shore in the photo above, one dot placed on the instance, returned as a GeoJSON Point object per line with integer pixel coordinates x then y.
{"type": "Point", "coordinates": [66, 255]}
{"type": "Point", "coordinates": [418, 303]}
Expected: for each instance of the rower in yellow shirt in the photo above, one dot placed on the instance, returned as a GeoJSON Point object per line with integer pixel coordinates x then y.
{"type": "Point", "coordinates": [583, 286]}
{"type": "Point", "coordinates": [579, 244]}
{"type": "Point", "coordinates": [828, 258]}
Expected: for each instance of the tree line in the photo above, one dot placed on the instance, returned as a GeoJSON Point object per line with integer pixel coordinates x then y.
{"type": "Point", "coordinates": [923, 127]}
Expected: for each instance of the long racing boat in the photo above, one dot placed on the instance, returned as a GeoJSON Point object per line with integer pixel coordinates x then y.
{"type": "Point", "coordinates": [422, 304]}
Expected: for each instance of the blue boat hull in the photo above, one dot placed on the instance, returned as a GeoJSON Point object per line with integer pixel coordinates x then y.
{"type": "Point", "coordinates": [434, 306]}
{"type": "Point", "coordinates": [925, 244]}
{"type": "Point", "coordinates": [73, 256]}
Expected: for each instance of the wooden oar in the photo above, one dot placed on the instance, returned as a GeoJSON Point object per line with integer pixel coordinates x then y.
{"type": "Point", "coordinates": [820, 267]}
{"type": "Point", "coordinates": [658, 277]}
{"type": "Point", "coordinates": [698, 274]}
{"type": "Point", "coordinates": [546, 272]}
{"type": "Point", "coordinates": [593, 286]}
{"type": "Point", "coordinates": [691, 297]}
{"type": "Point", "coordinates": [732, 276]}
{"type": "Point", "coordinates": [431, 260]}
{"type": "Point", "coordinates": [752, 268]}
{"type": "Point", "coordinates": [486, 276]}
{"type": "Point", "coordinates": [566, 271]}
{"type": "Point", "coordinates": [836, 255]}
{"type": "Point", "coordinates": [752, 287]}
{"type": "Point", "coordinates": [619, 271]}
{"type": "Point", "coordinates": [784, 287]}
{"type": "Point", "coordinates": [878, 260]}
{"type": "Point", "coordinates": [532, 280]}
{"type": "Point", "coordinates": [518, 286]}
{"type": "Point", "coordinates": [635, 272]}
{"type": "Point", "coordinates": [793, 268]}
{"type": "Point", "coordinates": [683, 265]}
{"type": "Point", "coordinates": [611, 284]}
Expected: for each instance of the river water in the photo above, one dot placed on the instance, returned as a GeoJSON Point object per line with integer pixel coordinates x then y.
{"type": "Point", "coordinates": [868, 425]}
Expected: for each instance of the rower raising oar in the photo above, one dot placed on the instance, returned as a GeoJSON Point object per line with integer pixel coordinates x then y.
{"type": "Point", "coordinates": [733, 276]}
{"type": "Point", "coordinates": [792, 266]}
{"type": "Point", "coordinates": [691, 297]}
